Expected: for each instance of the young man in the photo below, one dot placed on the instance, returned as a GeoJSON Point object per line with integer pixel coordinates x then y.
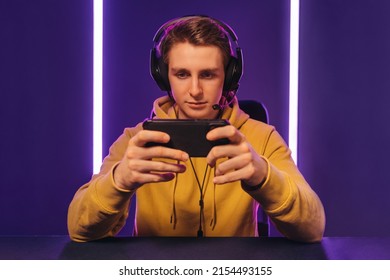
{"type": "Point", "coordinates": [193, 60]}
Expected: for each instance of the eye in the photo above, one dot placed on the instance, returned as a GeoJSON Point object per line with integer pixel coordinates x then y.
{"type": "Point", "coordinates": [182, 74]}
{"type": "Point", "coordinates": [207, 75]}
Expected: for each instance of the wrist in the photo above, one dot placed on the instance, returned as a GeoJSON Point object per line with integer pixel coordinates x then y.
{"type": "Point", "coordinates": [116, 180]}
{"type": "Point", "coordinates": [250, 188]}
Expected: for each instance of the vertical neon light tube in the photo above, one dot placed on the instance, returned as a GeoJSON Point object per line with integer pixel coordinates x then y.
{"type": "Point", "coordinates": [294, 68]}
{"type": "Point", "coordinates": [97, 84]}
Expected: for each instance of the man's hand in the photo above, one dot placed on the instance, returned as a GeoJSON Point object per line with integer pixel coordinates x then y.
{"type": "Point", "coordinates": [242, 163]}
{"type": "Point", "coordinates": [137, 167]}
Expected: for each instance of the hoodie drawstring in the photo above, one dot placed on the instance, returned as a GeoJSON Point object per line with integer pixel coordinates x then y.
{"type": "Point", "coordinates": [173, 212]}
{"type": "Point", "coordinates": [206, 178]}
{"type": "Point", "coordinates": [213, 220]}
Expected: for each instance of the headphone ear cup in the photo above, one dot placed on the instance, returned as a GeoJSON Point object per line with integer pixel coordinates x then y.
{"type": "Point", "coordinates": [233, 72]}
{"type": "Point", "coordinates": [229, 72]}
{"type": "Point", "coordinates": [159, 71]}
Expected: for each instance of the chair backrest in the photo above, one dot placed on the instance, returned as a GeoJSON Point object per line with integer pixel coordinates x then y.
{"type": "Point", "coordinates": [256, 110]}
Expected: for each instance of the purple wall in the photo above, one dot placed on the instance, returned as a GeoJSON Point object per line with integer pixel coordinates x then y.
{"type": "Point", "coordinates": [45, 111]}
{"type": "Point", "coordinates": [344, 112]}
{"type": "Point", "coordinates": [46, 94]}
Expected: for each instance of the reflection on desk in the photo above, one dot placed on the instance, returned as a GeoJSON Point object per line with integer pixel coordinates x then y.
{"type": "Point", "coordinates": [174, 248]}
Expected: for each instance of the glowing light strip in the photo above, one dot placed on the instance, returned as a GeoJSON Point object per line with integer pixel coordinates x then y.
{"type": "Point", "coordinates": [294, 67]}
{"type": "Point", "coordinates": [97, 84]}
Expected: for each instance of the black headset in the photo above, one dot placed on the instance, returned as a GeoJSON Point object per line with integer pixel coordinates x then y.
{"type": "Point", "coordinates": [159, 69]}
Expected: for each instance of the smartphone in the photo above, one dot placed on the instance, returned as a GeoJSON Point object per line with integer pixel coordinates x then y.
{"type": "Point", "coordinates": [187, 135]}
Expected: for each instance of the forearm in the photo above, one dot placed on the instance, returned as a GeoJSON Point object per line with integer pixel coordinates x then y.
{"type": "Point", "coordinates": [292, 205]}
{"type": "Point", "coordinates": [304, 221]}
{"type": "Point", "coordinates": [98, 210]}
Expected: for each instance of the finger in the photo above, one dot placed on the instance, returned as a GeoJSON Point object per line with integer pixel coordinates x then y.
{"type": "Point", "coordinates": [155, 177]}
{"type": "Point", "coordinates": [132, 176]}
{"type": "Point", "coordinates": [147, 166]}
{"type": "Point", "coordinates": [139, 172]}
{"type": "Point", "coordinates": [229, 132]}
{"type": "Point", "coordinates": [134, 152]}
{"type": "Point", "coordinates": [146, 136]}
{"type": "Point", "coordinates": [235, 175]}
{"type": "Point", "coordinates": [235, 163]}
{"type": "Point", "coordinates": [165, 152]}
{"type": "Point", "coordinates": [228, 151]}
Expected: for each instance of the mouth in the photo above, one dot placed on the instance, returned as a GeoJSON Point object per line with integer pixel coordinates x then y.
{"type": "Point", "coordinates": [197, 105]}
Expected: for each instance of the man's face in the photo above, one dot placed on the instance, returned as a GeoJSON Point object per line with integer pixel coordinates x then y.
{"type": "Point", "coordinates": [196, 75]}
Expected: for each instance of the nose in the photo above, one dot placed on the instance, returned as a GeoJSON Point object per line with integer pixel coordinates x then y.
{"type": "Point", "coordinates": [196, 89]}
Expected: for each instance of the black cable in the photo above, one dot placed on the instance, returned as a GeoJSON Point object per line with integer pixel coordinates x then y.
{"type": "Point", "coordinates": [201, 201]}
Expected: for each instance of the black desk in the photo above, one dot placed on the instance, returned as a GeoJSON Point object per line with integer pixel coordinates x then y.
{"type": "Point", "coordinates": [60, 247]}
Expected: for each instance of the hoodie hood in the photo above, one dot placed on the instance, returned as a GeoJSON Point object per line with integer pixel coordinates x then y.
{"type": "Point", "coordinates": [165, 108]}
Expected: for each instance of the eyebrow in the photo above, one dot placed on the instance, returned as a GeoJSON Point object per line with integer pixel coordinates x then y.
{"type": "Point", "coordinates": [203, 70]}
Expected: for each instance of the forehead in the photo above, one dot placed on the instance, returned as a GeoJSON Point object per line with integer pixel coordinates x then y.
{"type": "Point", "coordinates": [188, 55]}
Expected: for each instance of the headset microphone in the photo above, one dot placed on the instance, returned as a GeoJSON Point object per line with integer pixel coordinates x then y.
{"type": "Point", "coordinates": [217, 107]}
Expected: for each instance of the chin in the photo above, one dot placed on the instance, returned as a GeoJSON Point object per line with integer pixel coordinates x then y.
{"type": "Point", "coordinates": [198, 114]}
{"type": "Point", "coordinates": [212, 115]}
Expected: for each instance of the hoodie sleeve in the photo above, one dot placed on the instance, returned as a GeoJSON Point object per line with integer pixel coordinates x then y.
{"type": "Point", "coordinates": [285, 196]}
{"type": "Point", "coordinates": [99, 208]}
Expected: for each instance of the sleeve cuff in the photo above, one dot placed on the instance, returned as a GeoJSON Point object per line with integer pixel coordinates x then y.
{"type": "Point", "coordinates": [248, 188]}
{"type": "Point", "coordinates": [109, 196]}
{"type": "Point", "coordinates": [119, 189]}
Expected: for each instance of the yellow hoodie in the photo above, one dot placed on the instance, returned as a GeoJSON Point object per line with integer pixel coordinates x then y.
{"type": "Point", "coordinates": [100, 209]}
